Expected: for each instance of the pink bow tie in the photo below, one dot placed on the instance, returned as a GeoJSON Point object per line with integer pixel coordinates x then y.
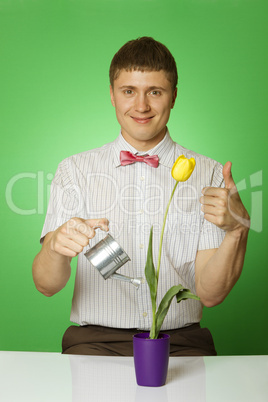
{"type": "Point", "coordinates": [127, 158]}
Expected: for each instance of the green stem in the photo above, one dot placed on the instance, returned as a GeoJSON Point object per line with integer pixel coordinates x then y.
{"type": "Point", "coordinates": [162, 232]}
{"type": "Point", "coordinates": [152, 332]}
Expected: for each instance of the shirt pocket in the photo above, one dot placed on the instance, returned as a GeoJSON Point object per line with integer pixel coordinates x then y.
{"type": "Point", "coordinates": [181, 237]}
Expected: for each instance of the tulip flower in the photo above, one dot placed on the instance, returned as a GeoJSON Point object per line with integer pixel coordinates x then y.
{"type": "Point", "coordinates": [183, 168]}
{"type": "Point", "coordinates": [181, 171]}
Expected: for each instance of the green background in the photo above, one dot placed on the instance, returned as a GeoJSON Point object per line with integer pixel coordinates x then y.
{"type": "Point", "coordinates": [55, 57]}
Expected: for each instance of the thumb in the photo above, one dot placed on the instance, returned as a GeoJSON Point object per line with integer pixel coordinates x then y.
{"type": "Point", "coordinates": [227, 175]}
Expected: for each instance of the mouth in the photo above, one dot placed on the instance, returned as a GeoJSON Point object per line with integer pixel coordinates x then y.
{"type": "Point", "coordinates": [142, 120]}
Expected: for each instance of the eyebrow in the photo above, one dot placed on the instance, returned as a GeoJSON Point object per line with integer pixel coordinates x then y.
{"type": "Point", "coordinates": [152, 88]}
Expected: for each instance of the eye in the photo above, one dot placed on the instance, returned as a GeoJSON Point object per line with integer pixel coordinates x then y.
{"type": "Point", "coordinates": [128, 92]}
{"type": "Point", "coordinates": [155, 93]}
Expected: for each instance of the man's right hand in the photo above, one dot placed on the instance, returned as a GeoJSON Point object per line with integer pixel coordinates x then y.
{"type": "Point", "coordinates": [70, 238]}
{"type": "Point", "coordinates": [51, 266]}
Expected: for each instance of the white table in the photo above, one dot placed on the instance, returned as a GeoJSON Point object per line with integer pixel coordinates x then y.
{"type": "Point", "coordinates": [49, 377]}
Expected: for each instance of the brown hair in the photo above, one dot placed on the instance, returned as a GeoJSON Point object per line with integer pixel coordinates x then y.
{"type": "Point", "coordinates": [144, 54]}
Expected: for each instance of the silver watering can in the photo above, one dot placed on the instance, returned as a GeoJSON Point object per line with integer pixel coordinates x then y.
{"type": "Point", "coordinates": [107, 256]}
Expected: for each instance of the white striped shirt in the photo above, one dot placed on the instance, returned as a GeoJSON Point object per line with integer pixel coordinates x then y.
{"type": "Point", "coordinates": [93, 184]}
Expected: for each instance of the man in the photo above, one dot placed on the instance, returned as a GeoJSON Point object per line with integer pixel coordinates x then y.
{"type": "Point", "coordinates": [203, 248]}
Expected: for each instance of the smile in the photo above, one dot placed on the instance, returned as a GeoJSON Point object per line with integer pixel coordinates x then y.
{"type": "Point", "coordinates": [142, 120]}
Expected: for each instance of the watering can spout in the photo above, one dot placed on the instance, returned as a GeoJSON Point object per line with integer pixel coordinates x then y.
{"type": "Point", "coordinates": [134, 281]}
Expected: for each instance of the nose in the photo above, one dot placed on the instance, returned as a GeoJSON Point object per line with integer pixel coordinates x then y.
{"type": "Point", "coordinates": [142, 103]}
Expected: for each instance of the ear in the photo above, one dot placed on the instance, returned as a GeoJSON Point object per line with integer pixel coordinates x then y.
{"type": "Point", "coordinates": [174, 98]}
{"type": "Point", "coordinates": [112, 95]}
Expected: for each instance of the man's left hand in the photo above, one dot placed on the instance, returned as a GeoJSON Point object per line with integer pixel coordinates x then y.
{"type": "Point", "coordinates": [223, 206]}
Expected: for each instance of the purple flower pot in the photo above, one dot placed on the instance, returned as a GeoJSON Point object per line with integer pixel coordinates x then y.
{"type": "Point", "coordinates": [151, 359]}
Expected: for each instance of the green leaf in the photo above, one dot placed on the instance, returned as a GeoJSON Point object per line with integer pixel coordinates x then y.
{"type": "Point", "coordinates": [181, 293]}
{"type": "Point", "coordinates": [186, 294]}
{"type": "Point", "coordinates": [150, 273]}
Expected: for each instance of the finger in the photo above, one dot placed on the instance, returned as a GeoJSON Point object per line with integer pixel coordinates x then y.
{"type": "Point", "coordinates": [65, 251]}
{"type": "Point", "coordinates": [207, 201]}
{"type": "Point", "coordinates": [69, 246]}
{"type": "Point", "coordinates": [80, 238]}
{"type": "Point", "coordinates": [227, 175]}
{"type": "Point", "coordinates": [214, 192]}
{"type": "Point", "coordinates": [213, 210]}
{"type": "Point", "coordinates": [215, 219]}
{"type": "Point", "coordinates": [73, 246]}
{"type": "Point", "coordinates": [219, 202]}
{"type": "Point", "coordinates": [208, 209]}
{"type": "Point", "coordinates": [102, 223]}
{"type": "Point", "coordinates": [79, 226]}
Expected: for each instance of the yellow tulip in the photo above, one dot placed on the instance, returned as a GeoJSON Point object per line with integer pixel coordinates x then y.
{"type": "Point", "coordinates": [183, 168]}
{"type": "Point", "coordinates": [181, 171]}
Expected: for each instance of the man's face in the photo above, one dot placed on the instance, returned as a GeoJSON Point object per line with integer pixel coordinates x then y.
{"type": "Point", "coordinates": [142, 102]}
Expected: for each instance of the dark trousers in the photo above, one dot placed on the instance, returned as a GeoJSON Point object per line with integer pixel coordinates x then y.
{"type": "Point", "coordinates": [103, 341]}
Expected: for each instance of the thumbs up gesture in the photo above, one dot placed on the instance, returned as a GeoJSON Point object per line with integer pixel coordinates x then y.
{"type": "Point", "coordinates": [223, 206]}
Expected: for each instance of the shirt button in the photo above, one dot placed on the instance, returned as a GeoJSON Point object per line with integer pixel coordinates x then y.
{"type": "Point", "coordinates": [142, 178]}
{"type": "Point", "coordinates": [141, 211]}
{"type": "Point", "coordinates": [144, 314]}
{"type": "Point", "coordinates": [141, 245]}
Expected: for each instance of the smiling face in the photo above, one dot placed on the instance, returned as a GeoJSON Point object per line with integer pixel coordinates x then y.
{"type": "Point", "coordinates": [142, 102]}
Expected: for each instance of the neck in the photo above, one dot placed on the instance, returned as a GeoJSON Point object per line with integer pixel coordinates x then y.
{"type": "Point", "coordinates": [144, 145]}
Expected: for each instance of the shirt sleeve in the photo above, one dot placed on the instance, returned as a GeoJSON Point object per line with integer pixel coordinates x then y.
{"type": "Point", "coordinates": [64, 199]}
{"type": "Point", "coordinates": [211, 236]}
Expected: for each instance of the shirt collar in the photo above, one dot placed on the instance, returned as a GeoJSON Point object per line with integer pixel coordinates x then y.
{"type": "Point", "coordinates": [165, 150]}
